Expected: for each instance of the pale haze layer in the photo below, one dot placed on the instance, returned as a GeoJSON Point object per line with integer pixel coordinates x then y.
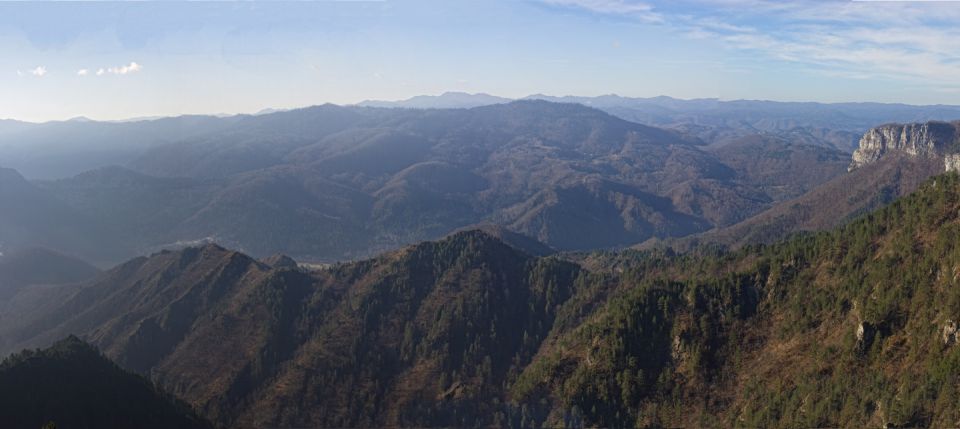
{"type": "Point", "coordinates": [123, 60]}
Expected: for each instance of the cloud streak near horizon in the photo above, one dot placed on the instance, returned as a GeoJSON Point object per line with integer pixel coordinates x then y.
{"type": "Point", "coordinates": [133, 67]}
{"type": "Point", "coordinates": [39, 71]}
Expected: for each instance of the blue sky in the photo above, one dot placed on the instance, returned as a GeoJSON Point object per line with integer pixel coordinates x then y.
{"type": "Point", "coordinates": [121, 60]}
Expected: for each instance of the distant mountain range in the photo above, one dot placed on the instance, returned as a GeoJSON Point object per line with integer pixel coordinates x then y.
{"type": "Point", "coordinates": [331, 183]}
{"type": "Point", "coordinates": [65, 148]}
{"type": "Point", "coordinates": [447, 100]}
{"type": "Point", "coordinates": [838, 125]}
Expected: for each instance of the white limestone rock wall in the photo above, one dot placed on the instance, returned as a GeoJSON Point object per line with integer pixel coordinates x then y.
{"type": "Point", "coordinates": [951, 162]}
{"type": "Point", "coordinates": [931, 139]}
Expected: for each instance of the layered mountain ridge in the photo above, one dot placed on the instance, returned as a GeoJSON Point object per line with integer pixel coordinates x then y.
{"type": "Point", "coordinates": [837, 125]}
{"type": "Point", "coordinates": [40, 267]}
{"type": "Point", "coordinates": [331, 183]}
{"type": "Point", "coordinates": [254, 346]}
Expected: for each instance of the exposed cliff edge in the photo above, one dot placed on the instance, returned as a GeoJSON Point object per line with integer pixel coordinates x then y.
{"type": "Point", "coordinates": [930, 140]}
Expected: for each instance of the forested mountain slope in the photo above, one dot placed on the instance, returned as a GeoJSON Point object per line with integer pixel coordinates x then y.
{"type": "Point", "coordinates": [368, 343]}
{"type": "Point", "coordinates": [855, 326]}
{"type": "Point", "coordinates": [850, 327]}
{"type": "Point", "coordinates": [826, 206]}
{"type": "Point", "coordinates": [891, 161]}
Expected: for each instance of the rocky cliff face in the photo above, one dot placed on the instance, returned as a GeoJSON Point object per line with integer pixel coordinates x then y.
{"type": "Point", "coordinates": [931, 139]}
{"type": "Point", "coordinates": [951, 162]}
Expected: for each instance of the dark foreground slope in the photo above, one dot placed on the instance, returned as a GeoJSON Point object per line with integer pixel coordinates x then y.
{"type": "Point", "coordinates": [853, 327]}
{"type": "Point", "coordinates": [73, 386]}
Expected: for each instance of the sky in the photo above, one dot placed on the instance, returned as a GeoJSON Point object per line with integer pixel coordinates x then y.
{"type": "Point", "coordinates": [121, 60]}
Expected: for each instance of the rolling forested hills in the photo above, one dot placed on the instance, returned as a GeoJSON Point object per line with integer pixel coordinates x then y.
{"type": "Point", "coordinates": [331, 183]}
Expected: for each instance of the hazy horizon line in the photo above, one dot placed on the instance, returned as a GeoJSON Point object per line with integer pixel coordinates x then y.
{"type": "Point", "coordinates": [269, 110]}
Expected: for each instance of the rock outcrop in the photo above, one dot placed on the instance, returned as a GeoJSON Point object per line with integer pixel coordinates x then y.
{"type": "Point", "coordinates": [949, 332]}
{"type": "Point", "coordinates": [931, 139]}
{"type": "Point", "coordinates": [951, 162]}
{"type": "Point", "coordinates": [865, 334]}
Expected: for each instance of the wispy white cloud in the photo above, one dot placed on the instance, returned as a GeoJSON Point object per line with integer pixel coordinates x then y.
{"type": "Point", "coordinates": [634, 9]}
{"type": "Point", "coordinates": [894, 52]}
{"type": "Point", "coordinates": [39, 71]}
{"type": "Point", "coordinates": [909, 41]}
{"type": "Point", "coordinates": [133, 67]}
